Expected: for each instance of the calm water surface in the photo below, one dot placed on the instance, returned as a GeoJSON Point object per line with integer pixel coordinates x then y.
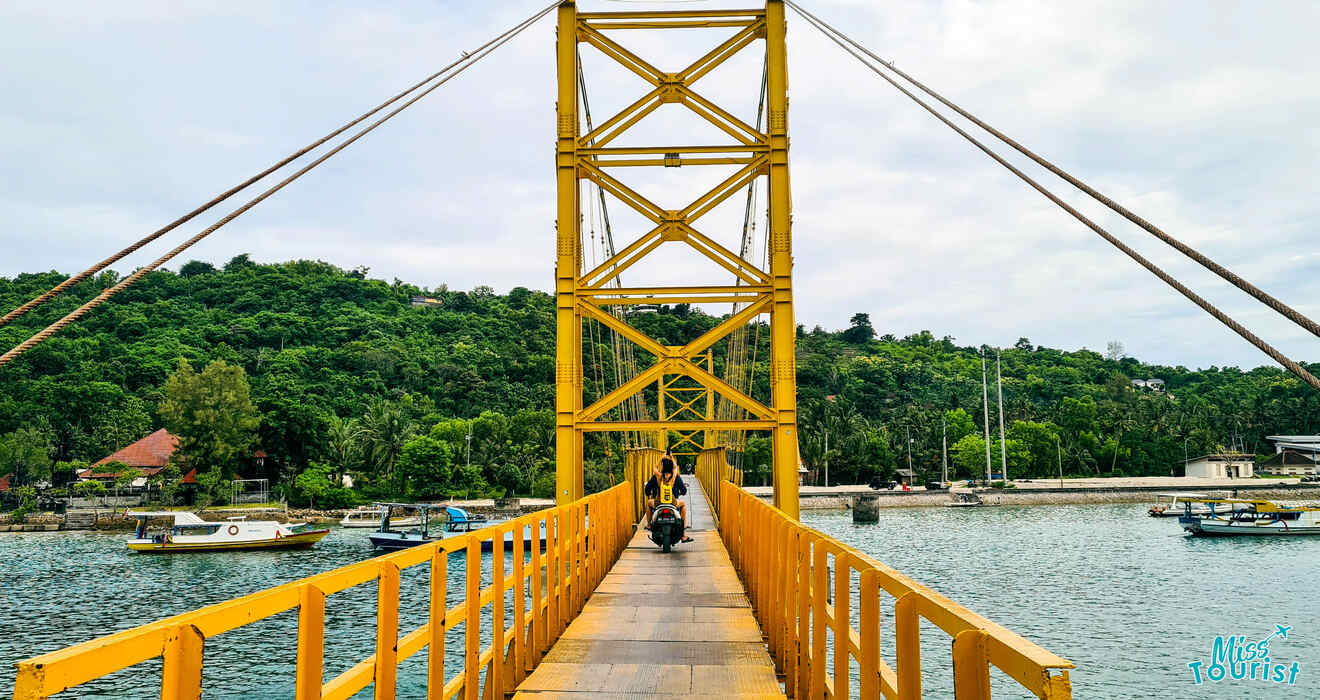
{"type": "Point", "coordinates": [1126, 597]}
{"type": "Point", "coordinates": [58, 589]}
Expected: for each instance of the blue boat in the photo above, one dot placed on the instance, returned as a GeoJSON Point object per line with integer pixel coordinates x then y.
{"type": "Point", "coordinates": [450, 520]}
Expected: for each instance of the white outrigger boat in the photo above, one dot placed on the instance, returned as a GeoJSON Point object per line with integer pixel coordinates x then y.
{"type": "Point", "coordinates": [1170, 505]}
{"type": "Point", "coordinates": [369, 516]}
{"type": "Point", "coordinates": [190, 533]}
{"type": "Point", "coordinates": [967, 499]}
{"type": "Point", "coordinates": [1234, 516]}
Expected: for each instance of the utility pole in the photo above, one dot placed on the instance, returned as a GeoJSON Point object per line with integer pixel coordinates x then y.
{"type": "Point", "coordinates": [944, 452]}
{"type": "Point", "coordinates": [1058, 444]}
{"type": "Point", "coordinates": [827, 458]}
{"type": "Point", "coordinates": [985, 416]}
{"type": "Point", "coordinates": [1003, 447]}
{"type": "Point", "coordinates": [907, 430]}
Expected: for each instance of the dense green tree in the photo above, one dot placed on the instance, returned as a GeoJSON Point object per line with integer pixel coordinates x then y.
{"type": "Point", "coordinates": [425, 468]}
{"type": "Point", "coordinates": [212, 415]}
{"type": "Point", "coordinates": [25, 453]}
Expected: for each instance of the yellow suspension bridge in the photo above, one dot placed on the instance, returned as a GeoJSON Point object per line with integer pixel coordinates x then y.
{"type": "Point", "coordinates": [759, 605]}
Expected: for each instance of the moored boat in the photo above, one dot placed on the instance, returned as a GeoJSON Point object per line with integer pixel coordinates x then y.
{"type": "Point", "coordinates": [967, 499]}
{"type": "Point", "coordinates": [369, 517]}
{"type": "Point", "coordinates": [1170, 505]}
{"type": "Point", "coordinates": [450, 520]}
{"type": "Point", "coordinates": [1229, 517]}
{"type": "Point", "coordinates": [189, 533]}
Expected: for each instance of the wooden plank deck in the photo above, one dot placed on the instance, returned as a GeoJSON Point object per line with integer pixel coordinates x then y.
{"type": "Point", "coordinates": [674, 625]}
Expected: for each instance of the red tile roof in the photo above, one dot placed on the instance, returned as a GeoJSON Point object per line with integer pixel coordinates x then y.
{"type": "Point", "coordinates": [4, 482]}
{"type": "Point", "coordinates": [94, 474]}
{"type": "Point", "coordinates": [153, 450]}
{"type": "Point", "coordinates": [190, 477]}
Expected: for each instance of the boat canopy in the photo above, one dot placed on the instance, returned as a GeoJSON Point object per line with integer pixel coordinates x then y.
{"type": "Point", "coordinates": [1260, 506]}
{"type": "Point", "coordinates": [181, 517]}
{"type": "Point", "coordinates": [456, 515]}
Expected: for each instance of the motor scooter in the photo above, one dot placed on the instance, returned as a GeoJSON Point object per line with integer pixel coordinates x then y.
{"type": "Point", "coordinates": [666, 526]}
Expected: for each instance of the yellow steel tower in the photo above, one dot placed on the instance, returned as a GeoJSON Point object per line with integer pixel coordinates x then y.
{"type": "Point", "coordinates": [585, 294]}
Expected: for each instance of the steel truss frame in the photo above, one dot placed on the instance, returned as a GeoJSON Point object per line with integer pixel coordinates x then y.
{"type": "Point", "coordinates": [678, 370]}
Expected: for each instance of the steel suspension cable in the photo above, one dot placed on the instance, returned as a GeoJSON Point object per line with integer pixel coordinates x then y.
{"type": "Point", "coordinates": [75, 279]}
{"type": "Point", "coordinates": [143, 271]}
{"type": "Point", "coordinates": [1260, 295]}
{"type": "Point", "coordinates": [625, 360]}
{"type": "Point", "coordinates": [1209, 308]}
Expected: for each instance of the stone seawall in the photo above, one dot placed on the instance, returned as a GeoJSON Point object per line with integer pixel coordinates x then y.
{"type": "Point", "coordinates": [1042, 497]}
{"type": "Point", "coordinates": [113, 520]}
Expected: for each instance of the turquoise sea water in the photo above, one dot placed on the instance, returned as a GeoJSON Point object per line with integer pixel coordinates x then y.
{"type": "Point", "coordinates": [1128, 598]}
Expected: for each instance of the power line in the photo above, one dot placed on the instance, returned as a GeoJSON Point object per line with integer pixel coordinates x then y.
{"type": "Point", "coordinates": [142, 272]}
{"type": "Point", "coordinates": [1209, 308]}
{"type": "Point", "coordinates": [75, 279]}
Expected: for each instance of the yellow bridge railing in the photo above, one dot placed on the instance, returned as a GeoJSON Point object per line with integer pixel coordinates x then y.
{"type": "Point", "coordinates": [713, 468]}
{"type": "Point", "coordinates": [582, 541]}
{"type": "Point", "coordinates": [638, 465]}
{"type": "Point", "coordinates": [800, 583]}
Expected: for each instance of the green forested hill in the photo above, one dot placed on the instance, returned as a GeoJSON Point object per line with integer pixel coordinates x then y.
{"type": "Point", "coordinates": [319, 343]}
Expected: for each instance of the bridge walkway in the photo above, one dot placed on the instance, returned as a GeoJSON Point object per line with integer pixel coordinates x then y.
{"type": "Point", "coordinates": [674, 625]}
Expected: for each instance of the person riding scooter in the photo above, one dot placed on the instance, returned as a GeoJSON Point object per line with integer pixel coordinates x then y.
{"type": "Point", "coordinates": [665, 487]}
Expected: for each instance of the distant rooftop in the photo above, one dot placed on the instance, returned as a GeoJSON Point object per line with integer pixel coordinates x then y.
{"type": "Point", "coordinates": [153, 450]}
{"type": "Point", "coordinates": [1305, 439]}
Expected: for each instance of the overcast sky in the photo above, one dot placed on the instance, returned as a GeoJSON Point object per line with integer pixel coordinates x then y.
{"type": "Point", "coordinates": [1204, 117]}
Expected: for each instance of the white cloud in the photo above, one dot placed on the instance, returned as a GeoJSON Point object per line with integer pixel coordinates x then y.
{"type": "Point", "coordinates": [1201, 117]}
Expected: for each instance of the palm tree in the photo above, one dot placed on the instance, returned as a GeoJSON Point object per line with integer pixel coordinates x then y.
{"type": "Point", "coordinates": [385, 428]}
{"type": "Point", "coordinates": [344, 444]}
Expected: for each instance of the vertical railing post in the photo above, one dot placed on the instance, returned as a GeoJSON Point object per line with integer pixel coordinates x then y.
{"type": "Point", "coordinates": [971, 667]}
{"type": "Point", "coordinates": [907, 647]}
{"type": "Point", "coordinates": [495, 677]}
{"type": "Point", "coordinates": [803, 584]}
{"type": "Point", "coordinates": [842, 624]}
{"type": "Point", "coordinates": [820, 586]}
{"type": "Point", "coordinates": [553, 571]}
{"type": "Point", "coordinates": [387, 631]}
{"type": "Point", "coordinates": [181, 659]}
{"type": "Point", "coordinates": [311, 643]}
{"type": "Point", "coordinates": [520, 599]}
{"type": "Point", "coordinates": [472, 625]}
{"type": "Point", "coordinates": [868, 614]}
{"type": "Point", "coordinates": [539, 525]}
{"type": "Point", "coordinates": [435, 647]}
{"type": "Point", "coordinates": [789, 603]}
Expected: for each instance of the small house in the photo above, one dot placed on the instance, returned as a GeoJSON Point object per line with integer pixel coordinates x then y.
{"type": "Point", "coordinates": [1231, 465]}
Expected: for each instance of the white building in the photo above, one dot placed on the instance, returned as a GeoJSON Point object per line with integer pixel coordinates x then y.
{"type": "Point", "coordinates": [1294, 455]}
{"type": "Point", "coordinates": [1222, 466]}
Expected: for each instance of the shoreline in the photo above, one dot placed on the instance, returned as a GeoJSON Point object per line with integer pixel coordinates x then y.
{"type": "Point", "coordinates": [110, 519]}
{"type": "Point", "coordinates": [841, 497]}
